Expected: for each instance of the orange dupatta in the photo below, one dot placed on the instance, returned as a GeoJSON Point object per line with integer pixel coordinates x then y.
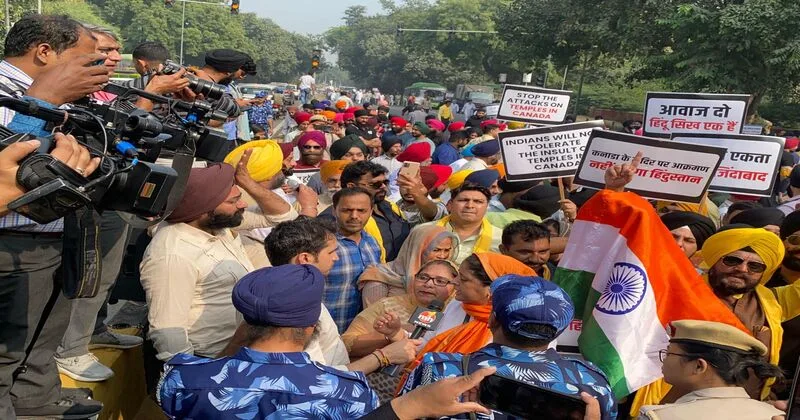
{"type": "Point", "coordinates": [473, 335]}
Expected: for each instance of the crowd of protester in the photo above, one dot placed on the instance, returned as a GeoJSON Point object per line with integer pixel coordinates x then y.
{"type": "Point", "coordinates": [285, 282]}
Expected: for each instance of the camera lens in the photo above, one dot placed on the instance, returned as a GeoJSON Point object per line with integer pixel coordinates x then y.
{"type": "Point", "coordinates": [138, 125]}
{"type": "Point", "coordinates": [208, 89]}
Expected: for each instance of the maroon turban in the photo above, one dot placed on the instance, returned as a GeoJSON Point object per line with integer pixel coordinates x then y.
{"type": "Point", "coordinates": [205, 190]}
{"type": "Point", "coordinates": [313, 135]}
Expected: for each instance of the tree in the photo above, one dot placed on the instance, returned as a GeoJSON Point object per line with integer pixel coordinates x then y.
{"type": "Point", "coordinates": [703, 46]}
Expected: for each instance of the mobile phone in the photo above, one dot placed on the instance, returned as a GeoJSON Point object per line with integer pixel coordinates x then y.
{"type": "Point", "coordinates": [793, 409]}
{"type": "Point", "coordinates": [98, 62]}
{"type": "Point", "coordinates": [527, 401]}
{"type": "Point", "coordinates": [410, 169]}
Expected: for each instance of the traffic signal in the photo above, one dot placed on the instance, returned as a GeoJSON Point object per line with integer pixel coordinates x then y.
{"type": "Point", "coordinates": [315, 59]}
{"type": "Point", "coordinates": [234, 7]}
{"type": "Point", "coordinates": [169, 3]}
{"type": "Point", "coordinates": [540, 81]}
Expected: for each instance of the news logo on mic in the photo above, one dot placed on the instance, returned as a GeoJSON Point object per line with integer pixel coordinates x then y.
{"type": "Point", "coordinates": [426, 318]}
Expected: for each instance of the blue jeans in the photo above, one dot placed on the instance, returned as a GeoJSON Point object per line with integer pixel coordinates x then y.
{"type": "Point", "coordinates": [305, 96]}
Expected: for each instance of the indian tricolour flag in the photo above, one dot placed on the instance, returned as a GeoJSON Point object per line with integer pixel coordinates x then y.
{"type": "Point", "coordinates": [628, 279]}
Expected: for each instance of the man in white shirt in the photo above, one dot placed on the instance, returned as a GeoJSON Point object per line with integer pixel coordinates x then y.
{"type": "Point", "coordinates": [194, 260]}
{"type": "Point", "coordinates": [306, 88]}
{"type": "Point", "coordinates": [312, 241]}
{"type": "Point", "coordinates": [392, 145]}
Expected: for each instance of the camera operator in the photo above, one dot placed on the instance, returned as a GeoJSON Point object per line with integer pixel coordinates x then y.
{"type": "Point", "coordinates": [49, 59]}
{"type": "Point", "coordinates": [148, 59]}
{"type": "Point", "coordinates": [223, 67]}
{"type": "Point", "coordinates": [86, 323]}
{"type": "Point", "coordinates": [109, 45]}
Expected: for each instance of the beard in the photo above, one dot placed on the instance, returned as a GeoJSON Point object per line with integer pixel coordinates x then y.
{"type": "Point", "coordinates": [717, 282]}
{"type": "Point", "coordinates": [222, 221]}
{"type": "Point", "coordinates": [791, 262]}
{"type": "Point", "coordinates": [311, 158]}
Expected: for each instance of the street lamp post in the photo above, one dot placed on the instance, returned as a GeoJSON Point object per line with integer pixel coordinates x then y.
{"type": "Point", "coordinates": [183, 28]}
{"type": "Point", "coordinates": [183, 17]}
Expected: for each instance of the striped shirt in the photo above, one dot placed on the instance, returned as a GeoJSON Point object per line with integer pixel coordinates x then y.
{"type": "Point", "coordinates": [17, 81]}
{"type": "Point", "coordinates": [342, 297]}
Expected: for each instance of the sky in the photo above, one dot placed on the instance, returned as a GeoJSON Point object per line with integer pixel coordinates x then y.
{"type": "Point", "coordinates": [306, 16]}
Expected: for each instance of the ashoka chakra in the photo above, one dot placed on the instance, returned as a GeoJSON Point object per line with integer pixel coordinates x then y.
{"type": "Point", "coordinates": [624, 291]}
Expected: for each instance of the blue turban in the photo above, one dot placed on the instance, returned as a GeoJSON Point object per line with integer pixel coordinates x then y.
{"type": "Point", "coordinates": [484, 178]}
{"type": "Point", "coordinates": [487, 148]}
{"type": "Point", "coordinates": [467, 150]}
{"type": "Point", "coordinates": [284, 296]}
{"type": "Point", "coordinates": [518, 301]}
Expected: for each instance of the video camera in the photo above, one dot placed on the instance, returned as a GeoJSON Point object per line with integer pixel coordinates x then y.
{"type": "Point", "coordinates": [128, 140]}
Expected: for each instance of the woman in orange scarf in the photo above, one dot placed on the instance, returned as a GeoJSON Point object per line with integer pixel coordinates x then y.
{"type": "Point", "coordinates": [469, 313]}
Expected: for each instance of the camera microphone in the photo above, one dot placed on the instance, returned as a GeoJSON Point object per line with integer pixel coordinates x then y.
{"type": "Point", "coordinates": [424, 320]}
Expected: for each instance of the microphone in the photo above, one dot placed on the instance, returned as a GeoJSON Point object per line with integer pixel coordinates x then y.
{"type": "Point", "coordinates": [424, 320]}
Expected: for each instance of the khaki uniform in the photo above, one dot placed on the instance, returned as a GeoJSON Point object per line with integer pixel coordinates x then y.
{"type": "Point", "coordinates": [730, 403]}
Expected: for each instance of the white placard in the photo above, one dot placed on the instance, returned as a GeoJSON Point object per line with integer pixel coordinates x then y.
{"type": "Point", "coordinates": [669, 170]}
{"type": "Point", "coordinates": [668, 113]}
{"type": "Point", "coordinates": [753, 129]}
{"type": "Point", "coordinates": [546, 152]}
{"type": "Point", "coordinates": [533, 104]}
{"type": "Point", "coordinates": [750, 165]}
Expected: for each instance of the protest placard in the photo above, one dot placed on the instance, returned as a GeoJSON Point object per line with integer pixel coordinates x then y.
{"type": "Point", "coordinates": [667, 113]}
{"type": "Point", "coordinates": [669, 170]}
{"type": "Point", "coordinates": [750, 165]}
{"type": "Point", "coordinates": [545, 152]}
{"type": "Point", "coordinates": [533, 105]}
{"type": "Point", "coordinates": [754, 129]}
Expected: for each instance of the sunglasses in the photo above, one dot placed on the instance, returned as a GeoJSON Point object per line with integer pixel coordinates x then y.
{"type": "Point", "coordinates": [752, 266]}
{"type": "Point", "coordinates": [307, 147]}
{"type": "Point", "coordinates": [793, 239]}
{"type": "Point", "coordinates": [377, 184]}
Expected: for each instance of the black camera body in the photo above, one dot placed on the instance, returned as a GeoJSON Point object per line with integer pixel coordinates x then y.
{"type": "Point", "coordinates": [118, 133]}
{"type": "Point", "coordinates": [199, 86]}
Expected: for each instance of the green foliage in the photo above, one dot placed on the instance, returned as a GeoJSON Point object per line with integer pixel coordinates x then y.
{"type": "Point", "coordinates": [373, 53]}
{"type": "Point", "coordinates": [279, 54]}
{"type": "Point", "coordinates": [741, 46]}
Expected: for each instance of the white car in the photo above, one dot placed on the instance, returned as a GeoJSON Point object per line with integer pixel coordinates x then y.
{"type": "Point", "coordinates": [249, 90]}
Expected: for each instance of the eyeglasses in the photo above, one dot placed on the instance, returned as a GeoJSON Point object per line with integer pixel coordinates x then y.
{"type": "Point", "coordinates": [377, 184]}
{"type": "Point", "coordinates": [310, 147]}
{"type": "Point", "coordinates": [793, 239]}
{"type": "Point", "coordinates": [662, 354]}
{"type": "Point", "coordinates": [437, 281]}
{"type": "Point", "coordinates": [752, 266]}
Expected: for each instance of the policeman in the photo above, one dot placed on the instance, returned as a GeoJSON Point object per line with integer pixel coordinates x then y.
{"type": "Point", "coordinates": [707, 363]}
{"type": "Point", "coordinates": [271, 377]}
{"type": "Point", "coordinates": [527, 314]}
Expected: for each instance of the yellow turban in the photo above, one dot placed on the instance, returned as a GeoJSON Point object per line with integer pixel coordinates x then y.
{"type": "Point", "coordinates": [515, 125]}
{"type": "Point", "coordinates": [706, 208]}
{"type": "Point", "coordinates": [265, 161]}
{"type": "Point", "coordinates": [332, 167]}
{"type": "Point", "coordinates": [457, 179]}
{"type": "Point", "coordinates": [766, 244]}
{"type": "Point", "coordinates": [329, 115]}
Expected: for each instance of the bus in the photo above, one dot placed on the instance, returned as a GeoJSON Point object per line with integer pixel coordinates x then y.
{"type": "Point", "coordinates": [434, 91]}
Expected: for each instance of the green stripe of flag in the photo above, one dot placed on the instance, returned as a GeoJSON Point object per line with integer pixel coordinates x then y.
{"type": "Point", "coordinates": [596, 346]}
{"type": "Point", "coordinates": [577, 284]}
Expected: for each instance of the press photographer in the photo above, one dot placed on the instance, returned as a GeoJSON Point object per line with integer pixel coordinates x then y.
{"type": "Point", "coordinates": [47, 59]}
